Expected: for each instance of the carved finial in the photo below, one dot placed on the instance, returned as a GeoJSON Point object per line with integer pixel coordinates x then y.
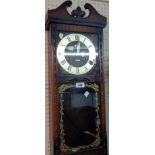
{"type": "Point", "coordinates": [78, 13]}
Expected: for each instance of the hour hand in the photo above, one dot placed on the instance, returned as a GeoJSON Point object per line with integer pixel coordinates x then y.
{"type": "Point", "coordinates": [78, 47]}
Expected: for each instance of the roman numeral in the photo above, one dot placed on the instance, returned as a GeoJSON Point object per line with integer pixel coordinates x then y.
{"type": "Point", "coordinates": [89, 46]}
{"type": "Point", "coordinates": [69, 68]}
{"type": "Point", "coordinates": [91, 62]}
{"type": "Point", "coordinates": [69, 39]}
{"type": "Point", "coordinates": [85, 68]}
{"type": "Point", "coordinates": [63, 62]}
{"type": "Point", "coordinates": [77, 37]}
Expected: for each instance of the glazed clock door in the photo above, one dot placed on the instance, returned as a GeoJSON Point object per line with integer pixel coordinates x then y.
{"type": "Point", "coordinates": [79, 117]}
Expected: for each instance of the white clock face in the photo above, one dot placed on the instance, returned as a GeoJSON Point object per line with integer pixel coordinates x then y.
{"type": "Point", "coordinates": [76, 54]}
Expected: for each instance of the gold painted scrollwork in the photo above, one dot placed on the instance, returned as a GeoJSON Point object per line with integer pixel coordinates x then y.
{"type": "Point", "coordinates": [63, 87]}
{"type": "Point", "coordinates": [94, 86]}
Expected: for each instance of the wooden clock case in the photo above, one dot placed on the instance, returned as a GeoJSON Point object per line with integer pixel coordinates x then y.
{"type": "Point", "coordinates": [59, 82]}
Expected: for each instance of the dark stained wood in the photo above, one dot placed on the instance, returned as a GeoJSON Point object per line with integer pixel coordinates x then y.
{"type": "Point", "coordinates": [53, 108]}
{"type": "Point", "coordinates": [61, 15]}
{"type": "Point", "coordinates": [76, 28]}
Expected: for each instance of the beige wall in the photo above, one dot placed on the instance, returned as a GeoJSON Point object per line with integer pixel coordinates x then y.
{"type": "Point", "coordinates": [102, 6]}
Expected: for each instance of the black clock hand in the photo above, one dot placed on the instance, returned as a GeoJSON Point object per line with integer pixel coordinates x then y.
{"type": "Point", "coordinates": [78, 47]}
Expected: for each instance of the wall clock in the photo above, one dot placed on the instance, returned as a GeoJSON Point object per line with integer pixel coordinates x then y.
{"type": "Point", "coordinates": [76, 83]}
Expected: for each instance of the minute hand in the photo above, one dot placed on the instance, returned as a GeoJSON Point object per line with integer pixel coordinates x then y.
{"type": "Point", "coordinates": [78, 47]}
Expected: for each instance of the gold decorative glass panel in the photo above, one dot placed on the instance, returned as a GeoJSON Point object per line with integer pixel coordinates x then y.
{"type": "Point", "coordinates": [79, 117]}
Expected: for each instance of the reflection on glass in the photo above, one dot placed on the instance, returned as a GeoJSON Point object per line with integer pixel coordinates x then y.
{"type": "Point", "coordinates": [79, 116]}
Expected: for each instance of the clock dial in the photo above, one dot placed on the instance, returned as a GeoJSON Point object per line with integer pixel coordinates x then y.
{"type": "Point", "coordinates": [76, 54]}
